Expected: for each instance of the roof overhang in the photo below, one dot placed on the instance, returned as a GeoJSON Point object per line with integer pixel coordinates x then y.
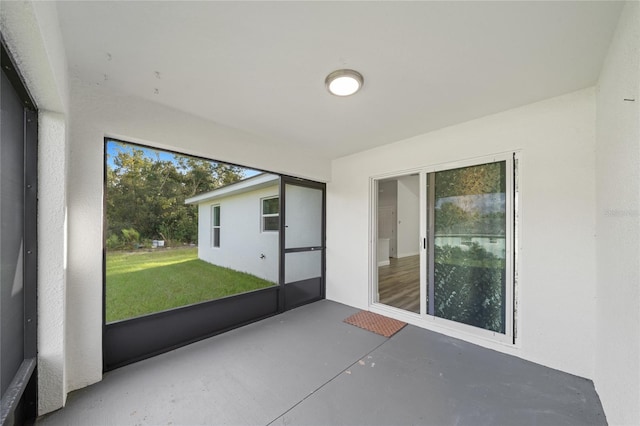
{"type": "Point", "coordinates": [247, 185]}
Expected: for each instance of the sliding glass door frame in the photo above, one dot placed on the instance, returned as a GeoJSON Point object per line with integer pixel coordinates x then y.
{"type": "Point", "coordinates": [427, 318]}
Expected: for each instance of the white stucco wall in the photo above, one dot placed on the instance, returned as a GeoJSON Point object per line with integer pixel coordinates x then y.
{"type": "Point", "coordinates": [33, 36]}
{"type": "Point", "coordinates": [242, 241]}
{"type": "Point", "coordinates": [52, 256]}
{"type": "Point", "coordinates": [557, 273]}
{"type": "Point", "coordinates": [617, 355]}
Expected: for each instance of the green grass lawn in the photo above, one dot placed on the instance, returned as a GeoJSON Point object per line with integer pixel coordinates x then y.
{"type": "Point", "coordinates": [140, 283]}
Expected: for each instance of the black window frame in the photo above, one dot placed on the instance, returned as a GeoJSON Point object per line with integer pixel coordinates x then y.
{"type": "Point", "coordinates": [215, 236]}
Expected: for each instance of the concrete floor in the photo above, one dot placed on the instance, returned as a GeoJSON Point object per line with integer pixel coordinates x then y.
{"type": "Point", "coordinates": [308, 367]}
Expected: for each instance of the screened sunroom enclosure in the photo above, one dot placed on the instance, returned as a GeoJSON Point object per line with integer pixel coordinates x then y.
{"type": "Point", "coordinates": [443, 241]}
{"type": "Point", "coordinates": [175, 273]}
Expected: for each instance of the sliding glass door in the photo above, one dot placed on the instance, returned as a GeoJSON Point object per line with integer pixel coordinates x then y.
{"type": "Point", "coordinates": [468, 261]}
{"type": "Point", "coordinates": [463, 268]}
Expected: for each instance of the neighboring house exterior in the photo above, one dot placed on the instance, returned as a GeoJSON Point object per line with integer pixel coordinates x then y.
{"type": "Point", "coordinates": [238, 226]}
{"type": "Point", "coordinates": [494, 244]}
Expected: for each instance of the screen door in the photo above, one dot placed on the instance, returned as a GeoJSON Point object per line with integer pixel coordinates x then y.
{"type": "Point", "coordinates": [302, 241]}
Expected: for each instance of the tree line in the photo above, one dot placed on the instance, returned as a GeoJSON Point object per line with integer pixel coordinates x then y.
{"type": "Point", "coordinates": [145, 194]}
{"type": "Point", "coordinates": [478, 206]}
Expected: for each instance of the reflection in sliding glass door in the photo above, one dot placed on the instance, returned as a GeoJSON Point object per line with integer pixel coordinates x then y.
{"type": "Point", "coordinates": [469, 245]}
{"type": "Point", "coordinates": [398, 251]}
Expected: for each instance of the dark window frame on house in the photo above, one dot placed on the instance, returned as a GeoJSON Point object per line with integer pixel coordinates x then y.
{"type": "Point", "coordinates": [269, 222]}
{"type": "Point", "coordinates": [215, 225]}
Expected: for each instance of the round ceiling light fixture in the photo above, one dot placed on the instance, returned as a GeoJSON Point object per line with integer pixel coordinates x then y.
{"type": "Point", "coordinates": [344, 82]}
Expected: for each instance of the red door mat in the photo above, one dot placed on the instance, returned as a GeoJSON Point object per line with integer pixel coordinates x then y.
{"type": "Point", "coordinates": [378, 324]}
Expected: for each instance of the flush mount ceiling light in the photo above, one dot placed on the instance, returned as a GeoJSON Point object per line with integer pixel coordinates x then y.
{"type": "Point", "coordinates": [344, 82]}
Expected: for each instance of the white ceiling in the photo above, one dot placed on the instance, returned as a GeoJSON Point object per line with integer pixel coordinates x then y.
{"type": "Point", "coordinates": [260, 66]}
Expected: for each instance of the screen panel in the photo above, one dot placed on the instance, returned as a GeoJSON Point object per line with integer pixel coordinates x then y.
{"type": "Point", "coordinates": [11, 235]}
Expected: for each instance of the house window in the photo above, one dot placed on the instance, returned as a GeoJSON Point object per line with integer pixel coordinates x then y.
{"type": "Point", "coordinates": [215, 226]}
{"type": "Point", "coordinates": [270, 214]}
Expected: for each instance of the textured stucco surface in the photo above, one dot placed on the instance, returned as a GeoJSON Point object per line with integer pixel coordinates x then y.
{"type": "Point", "coordinates": [51, 262]}
{"type": "Point", "coordinates": [617, 355]}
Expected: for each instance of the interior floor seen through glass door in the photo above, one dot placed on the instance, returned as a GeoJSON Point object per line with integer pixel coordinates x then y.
{"type": "Point", "coordinates": [398, 212]}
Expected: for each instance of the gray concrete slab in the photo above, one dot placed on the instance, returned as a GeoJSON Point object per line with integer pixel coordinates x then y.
{"type": "Point", "coordinates": [308, 367]}
{"type": "Point", "coordinates": [422, 377]}
{"type": "Point", "coordinates": [248, 376]}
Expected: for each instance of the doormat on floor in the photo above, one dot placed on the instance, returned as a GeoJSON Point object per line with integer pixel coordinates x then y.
{"type": "Point", "coordinates": [378, 324]}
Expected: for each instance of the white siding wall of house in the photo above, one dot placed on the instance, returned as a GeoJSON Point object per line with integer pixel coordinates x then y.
{"type": "Point", "coordinates": [242, 241]}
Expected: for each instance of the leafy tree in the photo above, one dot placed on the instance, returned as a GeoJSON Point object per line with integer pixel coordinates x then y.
{"type": "Point", "coordinates": [467, 199]}
{"type": "Point", "coordinates": [470, 281]}
{"type": "Point", "coordinates": [475, 180]}
{"type": "Point", "coordinates": [145, 193]}
{"type": "Point", "coordinates": [131, 235]}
